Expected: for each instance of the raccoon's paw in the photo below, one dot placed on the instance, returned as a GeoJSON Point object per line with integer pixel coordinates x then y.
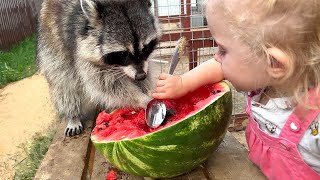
{"type": "Point", "coordinates": [74, 127]}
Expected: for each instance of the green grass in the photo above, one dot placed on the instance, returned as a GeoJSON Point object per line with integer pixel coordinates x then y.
{"type": "Point", "coordinates": [19, 62]}
{"type": "Point", "coordinates": [27, 168]}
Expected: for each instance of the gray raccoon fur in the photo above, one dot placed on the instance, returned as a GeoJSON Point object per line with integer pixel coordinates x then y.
{"type": "Point", "coordinates": [96, 55]}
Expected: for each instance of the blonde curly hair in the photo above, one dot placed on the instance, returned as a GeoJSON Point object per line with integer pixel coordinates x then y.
{"type": "Point", "coordinates": [292, 26]}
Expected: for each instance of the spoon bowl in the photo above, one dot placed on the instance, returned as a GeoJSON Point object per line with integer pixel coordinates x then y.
{"type": "Point", "coordinates": [156, 110]}
{"type": "Point", "coordinates": [156, 113]}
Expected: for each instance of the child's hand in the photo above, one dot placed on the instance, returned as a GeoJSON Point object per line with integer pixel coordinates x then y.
{"type": "Point", "coordinates": [169, 87]}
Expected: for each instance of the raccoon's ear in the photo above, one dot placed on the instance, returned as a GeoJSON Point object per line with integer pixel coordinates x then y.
{"type": "Point", "coordinates": [146, 3]}
{"type": "Point", "coordinates": [92, 9]}
{"type": "Point", "coordinates": [149, 3]}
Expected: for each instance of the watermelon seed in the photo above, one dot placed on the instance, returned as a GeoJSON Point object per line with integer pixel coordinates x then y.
{"type": "Point", "coordinates": [215, 92]}
{"type": "Point", "coordinates": [99, 129]}
{"type": "Point", "coordinates": [106, 124]}
{"type": "Point", "coordinates": [170, 112]}
{"type": "Point", "coordinates": [165, 121]}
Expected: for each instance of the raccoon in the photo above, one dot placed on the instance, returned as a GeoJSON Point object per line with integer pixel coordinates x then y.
{"type": "Point", "coordinates": [96, 53]}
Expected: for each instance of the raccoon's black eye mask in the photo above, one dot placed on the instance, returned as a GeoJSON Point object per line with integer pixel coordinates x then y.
{"type": "Point", "coordinates": [148, 49]}
{"type": "Point", "coordinates": [122, 58]}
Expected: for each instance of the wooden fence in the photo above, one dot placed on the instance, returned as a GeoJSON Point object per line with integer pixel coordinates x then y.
{"type": "Point", "coordinates": [17, 20]}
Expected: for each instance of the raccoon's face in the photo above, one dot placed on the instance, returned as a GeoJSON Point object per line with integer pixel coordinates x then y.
{"type": "Point", "coordinates": [119, 34]}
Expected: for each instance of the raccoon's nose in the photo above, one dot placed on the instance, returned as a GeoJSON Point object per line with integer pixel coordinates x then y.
{"type": "Point", "coordinates": [141, 76]}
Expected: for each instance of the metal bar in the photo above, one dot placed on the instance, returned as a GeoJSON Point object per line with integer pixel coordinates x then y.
{"type": "Point", "coordinates": [194, 34]}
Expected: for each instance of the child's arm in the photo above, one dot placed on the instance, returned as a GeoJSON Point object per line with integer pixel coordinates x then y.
{"type": "Point", "coordinates": [169, 86]}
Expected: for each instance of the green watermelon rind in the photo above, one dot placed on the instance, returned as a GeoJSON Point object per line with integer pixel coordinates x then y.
{"type": "Point", "coordinates": [171, 151]}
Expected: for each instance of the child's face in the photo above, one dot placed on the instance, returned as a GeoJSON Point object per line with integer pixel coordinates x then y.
{"type": "Point", "coordinates": [245, 74]}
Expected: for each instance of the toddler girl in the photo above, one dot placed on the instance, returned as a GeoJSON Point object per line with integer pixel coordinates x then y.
{"type": "Point", "coordinates": [269, 49]}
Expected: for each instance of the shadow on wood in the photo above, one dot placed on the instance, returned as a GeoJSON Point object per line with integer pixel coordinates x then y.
{"type": "Point", "coordinates": [67, 157]}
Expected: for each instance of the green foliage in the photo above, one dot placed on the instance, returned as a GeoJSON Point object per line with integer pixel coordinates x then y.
{"type": "Point", "coordinates": [27, 168]}
{"type": "Point", "coordinates": [19, 62]}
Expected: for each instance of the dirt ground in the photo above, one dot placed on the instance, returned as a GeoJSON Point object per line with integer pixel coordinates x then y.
{"type": "Point", "coordinates": [25, 109]}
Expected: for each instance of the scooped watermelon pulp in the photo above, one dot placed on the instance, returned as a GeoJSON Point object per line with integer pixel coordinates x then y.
{"type": "Point", "coordinates": [181, 144]}
{"type": "Point", "coordinates": [129, 123]}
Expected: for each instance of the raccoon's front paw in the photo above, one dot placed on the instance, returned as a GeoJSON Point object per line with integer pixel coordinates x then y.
{"type": "Point", "coordinates": [74, 127]}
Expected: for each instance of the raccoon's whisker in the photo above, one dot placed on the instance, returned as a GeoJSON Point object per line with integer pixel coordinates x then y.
{"type": "Point", "coordinates": [115, 73]}
{"type": "Point", "coordinates": [119, 77]}
{"type": "Point", "coordinates": [98, 72]}
{"type": "Point", "coordinates": [114, 76]}
{"type": "Point", "coordinates": [113, 69]}
{"type": "Point", "coordinates": [122, 75]}
{"type": "Point", "coordinates": [81, 4]}
{"type": "Point", "coordinates": [106, 71]}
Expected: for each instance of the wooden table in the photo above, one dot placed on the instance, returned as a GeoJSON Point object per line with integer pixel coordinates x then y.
{"type": "Point", "coordinates": [230, 161]}
{"type": "Point", "coordinates": [76, 158]}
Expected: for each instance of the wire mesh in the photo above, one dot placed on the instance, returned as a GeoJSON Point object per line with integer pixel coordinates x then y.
{"type": "Point", "coordinates": [187, 18]}
{"type": "Point", "coordinates": [17, 20]}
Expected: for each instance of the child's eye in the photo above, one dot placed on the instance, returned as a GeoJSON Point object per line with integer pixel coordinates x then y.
{"type": "Point", "coordinates": [219, 51]}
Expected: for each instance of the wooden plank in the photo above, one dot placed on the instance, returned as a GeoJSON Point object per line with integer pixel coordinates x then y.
{"type": "Point", "coordinates": [101, 168]}
{"type": "Point", "coordinates": [67, 157]}
{"type": "Point", "coordinates": [197, 174]}
{"type": "Point", "coordinates": [231, 161]}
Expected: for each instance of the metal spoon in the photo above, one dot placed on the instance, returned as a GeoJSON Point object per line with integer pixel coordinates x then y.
{"type": "Point", "coordinates": [156, 109]}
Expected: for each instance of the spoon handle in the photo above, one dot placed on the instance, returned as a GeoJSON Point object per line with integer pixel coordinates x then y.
{"type": "Point", "coordinates": [176, 54]}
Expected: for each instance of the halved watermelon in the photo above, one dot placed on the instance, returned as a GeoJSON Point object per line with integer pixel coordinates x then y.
{"type": "Point", "coordinates": [185, 141]}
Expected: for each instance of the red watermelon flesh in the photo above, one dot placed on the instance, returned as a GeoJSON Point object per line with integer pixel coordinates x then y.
{"type": "Point", "coordinates": [112, 175]}
{"type": "Point", "coordinates": [129, 123]}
